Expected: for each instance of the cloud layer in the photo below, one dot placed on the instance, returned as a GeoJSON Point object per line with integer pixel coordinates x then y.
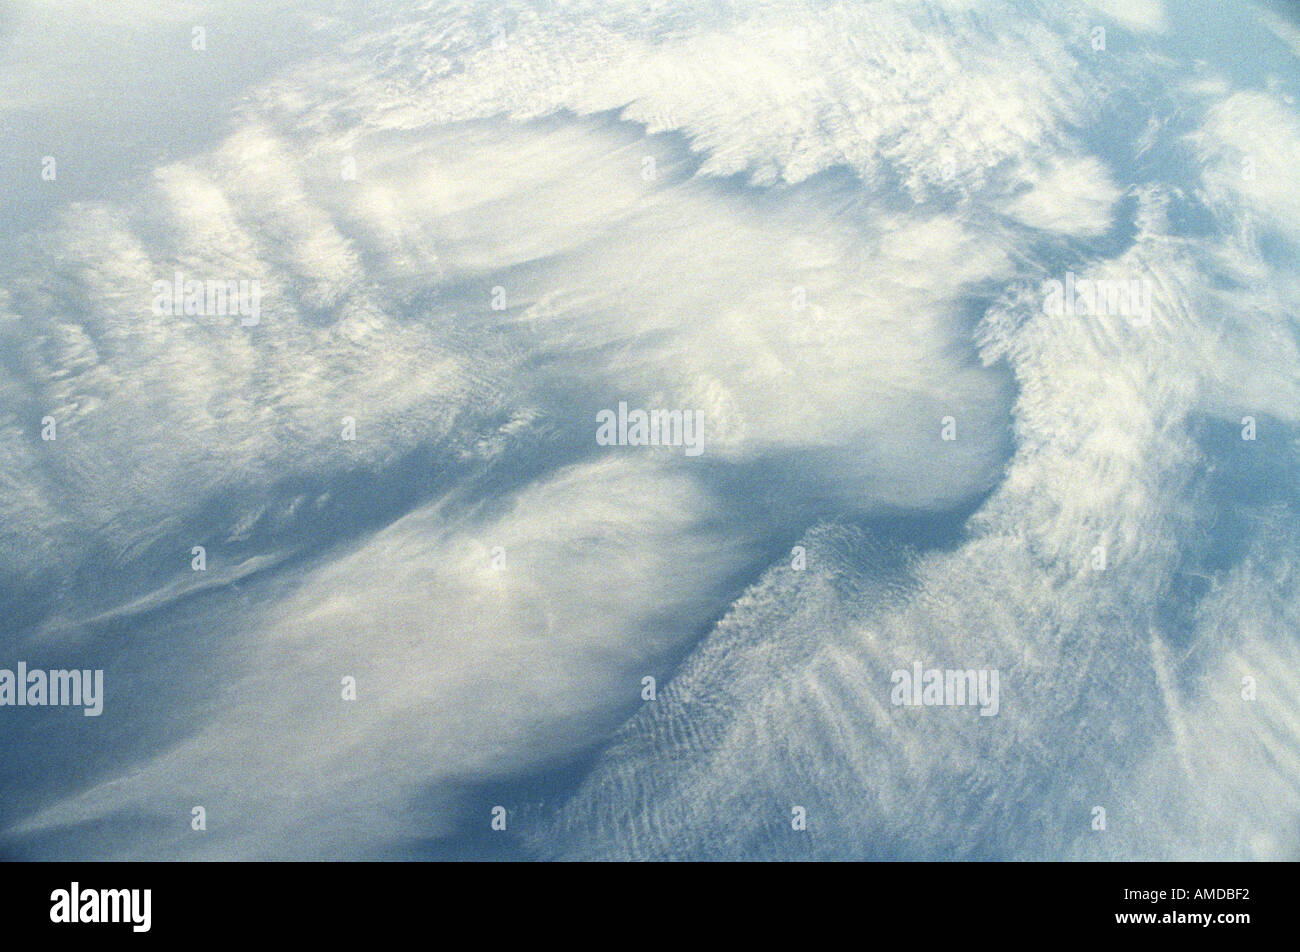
{"type": "Point", "coordinates": [828, 230]}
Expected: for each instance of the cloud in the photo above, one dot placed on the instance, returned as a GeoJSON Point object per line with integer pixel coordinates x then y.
{"type": "Point", "coordinates": [483, 644]}
{"type": "Point", "coordinates": [1250, 142]}
{"type": "Point", "coordinates": [792, 324]}
{"type": "Point", "coordinates": [1143, 16]}
{"type": "Point", "coordinates": [773, 94]}
{"type": "Point", "coordinates": [1071, 197]}
{"type": "Point", "coordinates": [1110, 696]}
{"type": "Point", "coordinates": [825, 255]}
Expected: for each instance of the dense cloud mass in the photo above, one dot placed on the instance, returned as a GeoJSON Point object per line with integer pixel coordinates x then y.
{"type": "Point", "coordinates": [357, 568]}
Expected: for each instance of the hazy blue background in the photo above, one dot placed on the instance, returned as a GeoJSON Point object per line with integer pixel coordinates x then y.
{"type": "Point", "coordinates": [824, 225]}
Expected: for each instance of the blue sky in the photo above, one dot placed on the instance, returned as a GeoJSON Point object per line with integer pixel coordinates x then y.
{"type": "Point", "coordinates": [825, 227]}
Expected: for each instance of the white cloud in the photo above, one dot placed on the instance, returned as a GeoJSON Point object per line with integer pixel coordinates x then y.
{"type": "Point", "coordinates": [465, 672]}
{"type": "Point", "coordinates": [1071, 197]}
{"type": "Point", "coordinates": [1144, 16]}
{"type": "Point", "coordinates": [481, 167]}
{"type": "Point", "coordinates": [1105, 700]}
{"type": "Point", "coordinates": [1249, 143]}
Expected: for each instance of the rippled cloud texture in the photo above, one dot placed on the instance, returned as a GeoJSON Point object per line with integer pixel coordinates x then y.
{"type": "Point", "coordinates": [358, 571]}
